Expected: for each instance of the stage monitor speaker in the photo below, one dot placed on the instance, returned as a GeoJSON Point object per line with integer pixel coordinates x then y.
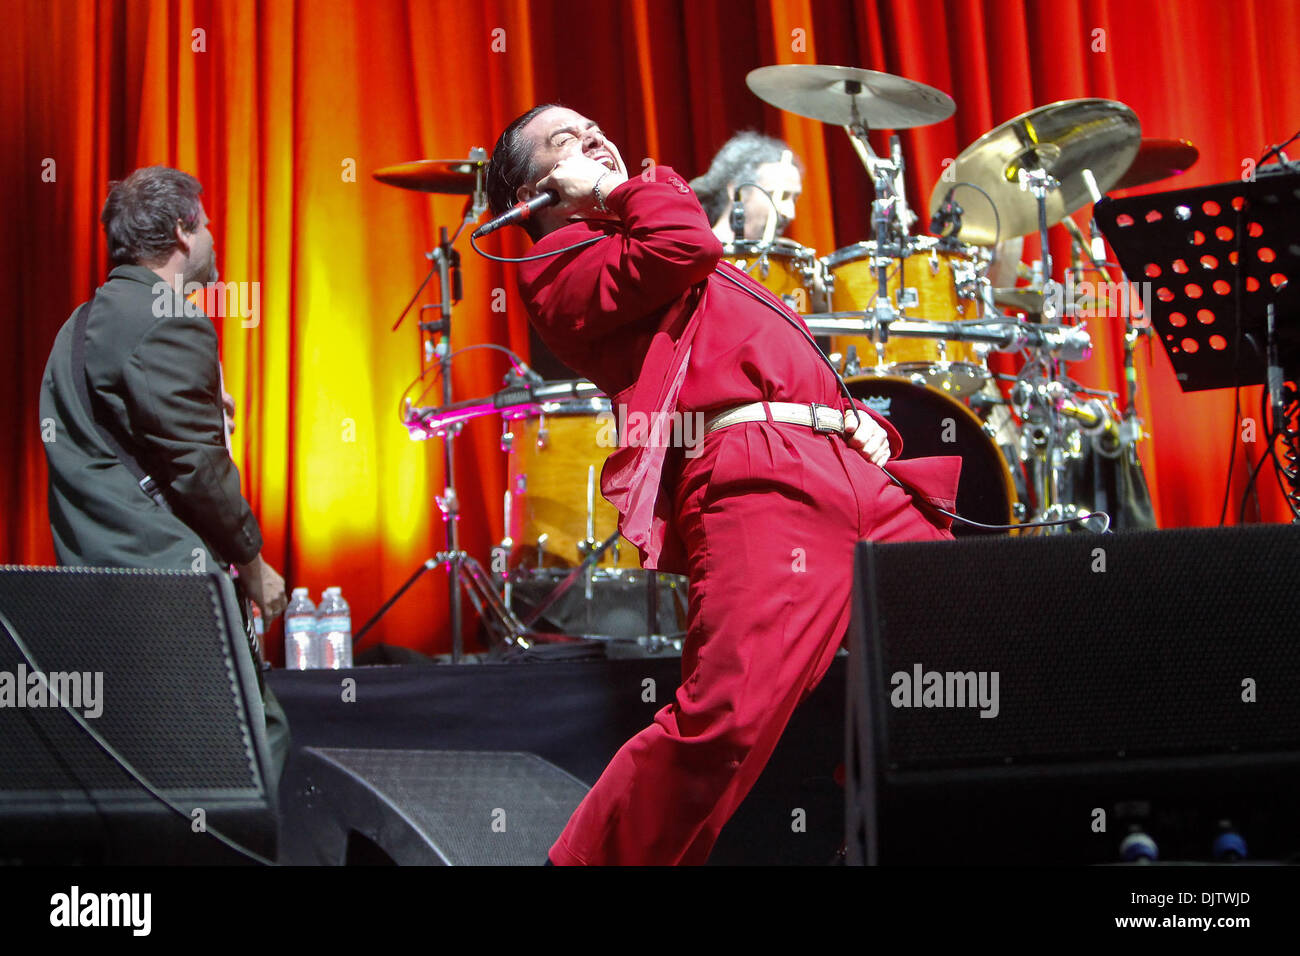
{"type": "Point", "coordinates": [424, 807]}
{"type": "Point", "coordinates": [1076, 698]}
{"type": "Point", "coordinates": [157, 663]}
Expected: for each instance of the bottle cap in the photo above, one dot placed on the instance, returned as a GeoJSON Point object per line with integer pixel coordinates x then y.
{"type": "Point", "coordinates": [300, 592]}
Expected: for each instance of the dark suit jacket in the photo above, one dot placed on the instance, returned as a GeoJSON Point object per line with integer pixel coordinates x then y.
{"type": "Point", "coordinates": [154, 381]}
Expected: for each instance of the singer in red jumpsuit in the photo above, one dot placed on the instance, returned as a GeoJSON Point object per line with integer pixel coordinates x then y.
{"type": "Point", "coordinates": [764, 520]}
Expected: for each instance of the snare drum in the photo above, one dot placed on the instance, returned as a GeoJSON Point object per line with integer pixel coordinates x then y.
{"type": "Point", "coordinates": [783, 267]}
{"type": "Point", "coordinates": [930, 284]}
{"type": "Point", "coordinates": [555, 452]}
{"type": "Point", "coordinates": [932, 423]}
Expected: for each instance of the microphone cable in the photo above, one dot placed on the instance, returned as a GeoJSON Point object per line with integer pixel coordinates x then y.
{"type": "Point", "coordinates": [545, 255]}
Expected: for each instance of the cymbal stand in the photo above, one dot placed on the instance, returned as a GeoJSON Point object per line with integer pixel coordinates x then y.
{"type": "Point", "coordinates": [462, 568]}
{"type": "Point", "coordinates": [888, 215]}
{"type": "Point", "coordinates": [1037, 395]}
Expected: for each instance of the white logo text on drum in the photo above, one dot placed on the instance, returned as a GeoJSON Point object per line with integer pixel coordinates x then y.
{"type": "Point", "coordinates": [922, 688]}
{"type": "Point", "coordinates": [652, 430]}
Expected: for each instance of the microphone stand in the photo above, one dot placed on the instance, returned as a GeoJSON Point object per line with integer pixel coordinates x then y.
{"type": "Point", "coordinates": [462, 568]}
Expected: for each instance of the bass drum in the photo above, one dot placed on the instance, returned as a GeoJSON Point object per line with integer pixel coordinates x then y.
{"type": "Point", "coordinates": [932, 423]}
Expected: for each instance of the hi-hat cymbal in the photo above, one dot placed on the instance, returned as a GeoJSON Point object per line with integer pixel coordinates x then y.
{"type": "Point", "coordinates": [1062, 138]}
{"type": "Point", "coordinates": [831, 94]}
{"type": "Point", "coordinates": [454, 177]}
{"type": "Point", "coordinates": [1159, 159]}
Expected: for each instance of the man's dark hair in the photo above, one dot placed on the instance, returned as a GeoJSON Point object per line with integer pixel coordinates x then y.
{"type": "Point", "coordinates": [142, 211]}
{"type": "Point", "coordinates": [512, 165]}
{"type": "Point", "coordinates": [736, 162]}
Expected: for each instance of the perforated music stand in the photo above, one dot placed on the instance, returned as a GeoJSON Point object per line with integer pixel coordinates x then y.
{"type": "Point", "coordinates": [1215, 257]}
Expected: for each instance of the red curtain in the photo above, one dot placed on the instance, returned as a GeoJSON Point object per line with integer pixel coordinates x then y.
{"type": "Point", "coordinates": [283, 109]}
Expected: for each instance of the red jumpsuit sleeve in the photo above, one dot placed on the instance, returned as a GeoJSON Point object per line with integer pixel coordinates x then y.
{"type": "Point", "coordinates": [663, 246]}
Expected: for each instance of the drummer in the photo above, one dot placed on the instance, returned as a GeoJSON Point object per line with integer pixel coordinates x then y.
{"type": "Point", "coordinates": [748, 159]}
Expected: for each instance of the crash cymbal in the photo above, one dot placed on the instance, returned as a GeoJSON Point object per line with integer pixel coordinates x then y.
{"type": "Point", "coordinates": [831, 93]}
{"type": "Point", "coordinates": [1063, 138]}
{"type": "Point", "coordinates": [1023, 300]}
{"type": "Point", "coordinates": [454, 177]}
{"type": "Point", "coordinates": [1159, 159]}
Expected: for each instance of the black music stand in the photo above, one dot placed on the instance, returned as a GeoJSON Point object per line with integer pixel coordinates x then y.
{"type": "Point", "coordinates": [1215, 258]}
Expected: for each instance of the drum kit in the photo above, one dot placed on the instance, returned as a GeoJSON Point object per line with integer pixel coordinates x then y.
{"type": "Point", "coordinates": [910, 320]}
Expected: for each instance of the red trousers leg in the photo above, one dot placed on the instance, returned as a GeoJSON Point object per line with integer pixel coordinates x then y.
{"type": "Point", "coordinates": [770, 514]}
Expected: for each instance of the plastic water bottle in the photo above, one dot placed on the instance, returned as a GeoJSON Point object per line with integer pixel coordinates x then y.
{"type": "Point", "coordinates": [300, 644]}
{"type": "Point", "coordinates": [334, 630]}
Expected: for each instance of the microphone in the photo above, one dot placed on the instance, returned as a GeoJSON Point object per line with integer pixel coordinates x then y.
{"type": "Point", "coordinates": [737, 216]}
{"type": "Point", "coordinates": [518, 213]}
{"type": "Point", "coordinates": [946, 221]}
{"type": "Point", "coordinates": [529, 374]}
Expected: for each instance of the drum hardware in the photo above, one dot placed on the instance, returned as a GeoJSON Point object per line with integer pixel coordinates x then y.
{"type": "Point", "coordinates": [501, 553]}
{"type": "Point", "coordinates": [581, 571]}
{"type": "Point", "coordinates": [653, 637]}
{"type": "Point", "coordinates": [851, 366]}
{"type": "Point", "coordinates": [1039, 183]}
{"type": "Point", "coordinates": [588, 544]}
{"type": "Point", "coordinates": [1071, 343]}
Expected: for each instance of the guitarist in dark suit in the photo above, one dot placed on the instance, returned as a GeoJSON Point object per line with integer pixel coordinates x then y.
{"type": "Point", "coordinates": [139, 466]}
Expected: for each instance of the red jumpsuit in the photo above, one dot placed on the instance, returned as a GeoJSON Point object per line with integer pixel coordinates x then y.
{"type": "Point", "coordinates": [763, 521]}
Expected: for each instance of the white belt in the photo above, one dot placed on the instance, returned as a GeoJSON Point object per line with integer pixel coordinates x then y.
{"type": "Point", "coordinates": [820, 418]}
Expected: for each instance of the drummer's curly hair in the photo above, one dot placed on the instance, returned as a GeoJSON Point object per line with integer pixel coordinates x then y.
{"type": "Point", "coordinates": [736, 162]}
{"type": "Point", "coordinates": [511, 166]}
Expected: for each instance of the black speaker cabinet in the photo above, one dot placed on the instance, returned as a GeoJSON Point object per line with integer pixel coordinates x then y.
{"type": "Point", "coordinates": [424, 807]}
{"type": "Point", "coordinates": [1053, 699]}
{"type": "Point", "coordinates": [157, 663]}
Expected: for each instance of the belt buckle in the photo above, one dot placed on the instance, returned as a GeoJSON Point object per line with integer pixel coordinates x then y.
{"type": "Point", "coordinates": [817, 427]}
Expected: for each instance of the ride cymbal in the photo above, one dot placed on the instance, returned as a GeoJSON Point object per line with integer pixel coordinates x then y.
{"type": "Point", "coordinates": [452, 177]}
{"type": "Point", "coordinates": [845, 96]}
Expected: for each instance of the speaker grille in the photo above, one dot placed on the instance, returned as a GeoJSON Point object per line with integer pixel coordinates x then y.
{"type": "Point", "coordinates": [476, 808]}
{"type": "Point", "coordinates": [1145, 658]}
{"type": "Point", "coordinates": [157, 637]}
